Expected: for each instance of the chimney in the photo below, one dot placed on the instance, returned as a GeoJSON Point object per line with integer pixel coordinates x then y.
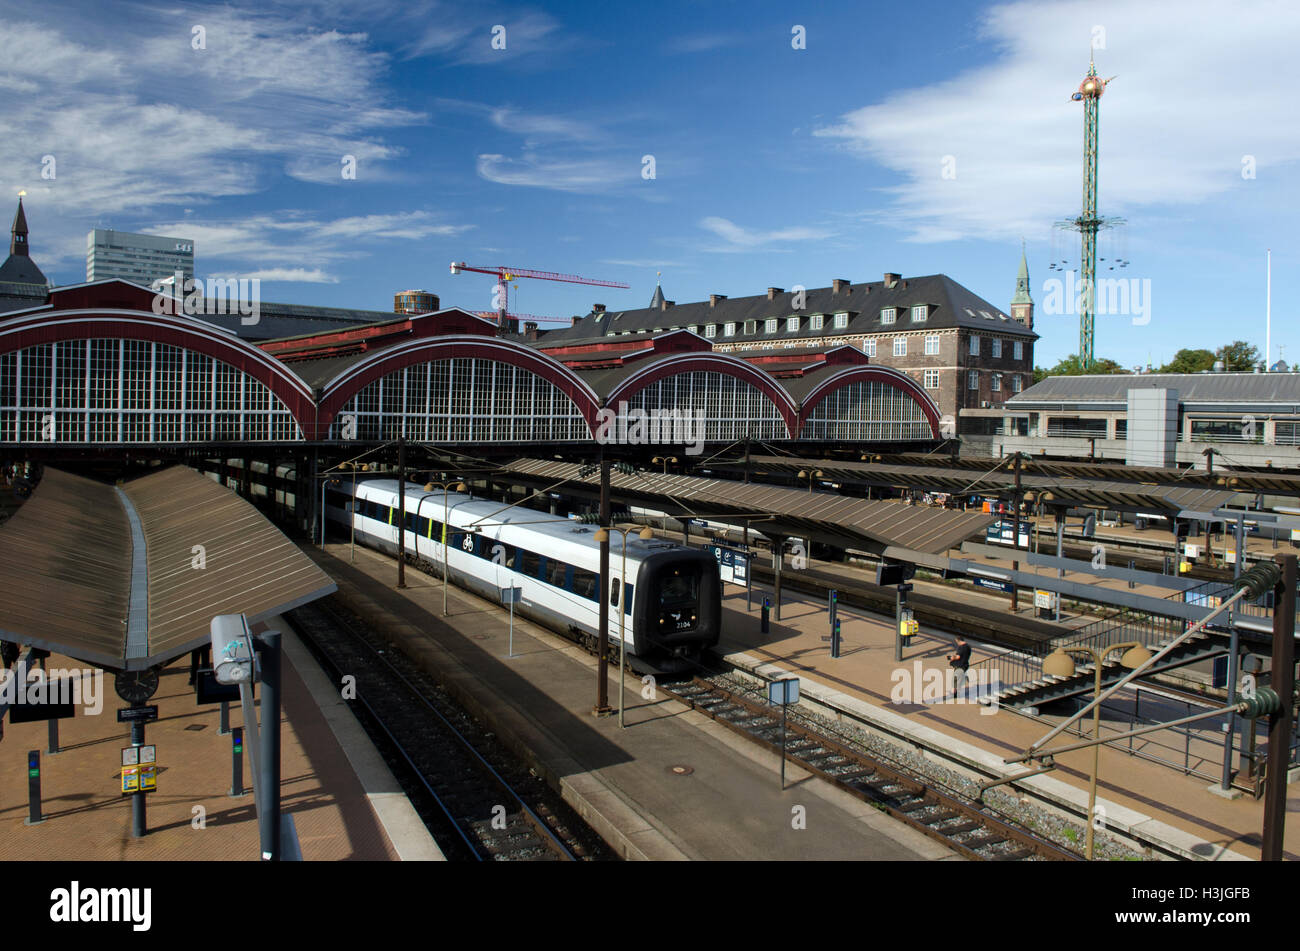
{"type": "Point", "coordinates": [576, 321]}
{"type": "Point", "coordinates": [773, 291]}
{"type": "Point", "coordinates": [598, 308]}
{"type": "Point", "coordinates": [714, 298]}
{"type": "Point", "coordinates": [892, 279]}
{"type": "Point", "coordinates": [669, 303]}
{"type": "Point", "coordinates": [839, 284]}
{"type": "Point", "coordinates": [530, 330]}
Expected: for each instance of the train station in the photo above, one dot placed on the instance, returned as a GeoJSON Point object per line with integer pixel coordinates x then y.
{"type": "Point", "coordinates": [760, 500]}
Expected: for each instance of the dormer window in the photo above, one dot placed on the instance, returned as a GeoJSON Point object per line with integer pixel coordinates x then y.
{"type": "Point", "coordinates": [920, 312]}
{"type": "Point", "coordinates": [771, 325]}
{"type": "Point", "coordinates": [791, 324]}
{"type": "Point", "coordinates": [694, 328]}
{"type": "Point", "coordinates": [751, 326]}
{"type": "Point", "coordinates": [815, 321]}
{"type": "Point", "coordinates": [841, 321]}
{"type": "Point", "coordinates": [729, 329]}
{"type": "Point", "coordinates": [710, 330]}
{"type": "Point", "coordinates": [888, 315]}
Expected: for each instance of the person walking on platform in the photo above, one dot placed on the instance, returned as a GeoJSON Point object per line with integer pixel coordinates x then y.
{"type": "Point", "coordinates": [960, 661]}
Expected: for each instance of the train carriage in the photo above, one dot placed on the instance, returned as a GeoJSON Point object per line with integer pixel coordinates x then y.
{"type": "Point", "coordinates": [671, 600]}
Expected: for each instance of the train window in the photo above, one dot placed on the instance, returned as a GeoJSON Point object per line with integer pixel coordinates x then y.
{"type": "Point", "coordinates": [613, 592]}
{"type": "Point", "coordinates": [678, 587]}
{"type": "Point", "coordinates": [530, 564]}
{"type": "Point", "coordinates": [435, 531]}
{"type": "Point", "coordinates": [421, 526]}
{"type": "Point", "coordinates": [555, 572]}
{"type": "Point", "coordinates": [585, 584]}
{"type": "Point", "coordinates": [412, 523]}
{"type": "Point", "coordinates": [628, 597]}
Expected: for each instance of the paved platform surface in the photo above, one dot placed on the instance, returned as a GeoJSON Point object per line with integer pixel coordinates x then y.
{"type": "Point", "coordinates": [1135, 792]}
{"type": "Point", "coordinates": [629, 783]}
{"type": "Point", "coordinates": [334, 783]}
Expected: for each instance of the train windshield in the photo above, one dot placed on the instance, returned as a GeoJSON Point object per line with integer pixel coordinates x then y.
{"type": "Point", "coordinates": [680, 587]}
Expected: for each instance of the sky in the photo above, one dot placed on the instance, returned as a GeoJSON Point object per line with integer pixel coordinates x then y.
{"type": "Point", "coordinates": [341, 152]}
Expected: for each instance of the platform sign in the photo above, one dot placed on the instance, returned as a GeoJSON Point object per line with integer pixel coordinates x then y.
{"type": "Point", "coordinates": [130, 779]}
{"type": "Point", "coordinates": [740, 569]}
{"type": "Point", "coordinates": [1044, 599]}
{"type": "Point", "coordinates": [40, 700]}
{"type": "Point", "coordinates": [994, 585]}
{"type": "Point", "coordinates": [512, 595]}
{"type": "Point", "coordinates": [129, 714]}
{"type": "Point", "coordinates": [149, 778]}
{"type": "Point", "coordinates": [733, 563]}
{"type": "Point", "coordinates": [783, 691]}
{"type": "Point", "coordinates": [1002, 532]}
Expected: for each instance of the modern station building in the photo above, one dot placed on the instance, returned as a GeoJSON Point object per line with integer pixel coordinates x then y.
{"type": "Point", "coordinates": [1249, 420]}
{"type": "Point", "coordinates": [965, 353]}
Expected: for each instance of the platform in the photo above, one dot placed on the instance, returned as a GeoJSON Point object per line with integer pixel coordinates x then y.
{"type": "Point", "coordinates": [672, 785]}
{"type": "Point", "coordinates": [344, 801]}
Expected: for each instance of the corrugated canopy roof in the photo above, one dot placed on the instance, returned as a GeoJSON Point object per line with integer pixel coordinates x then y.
{"type": "Point", "coordinates": [833, 519]}
{"type": "Point", "coordinates": [78, 583]}
{"type": "Point", "coordinates": [1083, 491]}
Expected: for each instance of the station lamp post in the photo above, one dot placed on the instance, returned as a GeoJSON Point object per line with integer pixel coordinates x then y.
{"type": "Point", "coordinates": [1059, 663]}
{"type": "Point", "coordinates": [810, 475]}
{"type": "Point", "coordinates": [665, 460]}
{"type": "Point", "coordinates": [446, 535]}
{"type": "Point", "coordinates": [603, 536]}
{"type": "Point", "coordinates": [353, 467]}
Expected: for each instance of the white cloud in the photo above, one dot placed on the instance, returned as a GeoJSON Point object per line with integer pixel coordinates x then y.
{"type": "Point", "coordinates": [294, 275]}
{"type": "Point", "coordinates": [740, 239]}
{"type": "Point", "coordinates": [1199, 86]}
{"type": "Point", "coordinates": [562, 174]}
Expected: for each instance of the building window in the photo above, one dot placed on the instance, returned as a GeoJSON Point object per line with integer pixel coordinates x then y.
{"type": "Point", "coordinates": [974, 345]}
{"type": "Point", "coordinates": [841, 321]}
{"type": "Point", "coordinates": [931, 379]}
{"type": "Point", "coordinates": [792, 323]}
{"type": "Point", "coordinates": [1016, 384]}
{"type": "Point", "coordinates": [887, 315]}
{"type": "Point", "coordinates": [869, 347]}
{"type": "Point", "coordinates": [710, 330]}
{"type": "Point", "coordinates": [1018, 351]}
{"type": "Point", "coordinates": [693, 328]}
{"type": "Point", "coordinates": [729, 329]}
{"type": "Point", "coordinates": [751, 326]}
{"type": "Point", "coordinates": [997, 383]}
{"type": "Point", "coordinates": [900, 346]}
{"type": "Point", "coordinates": [996, 344]}
{"type": "Point", "coordinates": [931, 344]}
{"type": "Point", "coordinates": [771, 325]}
{"type": "Point", "coordinates": [920, 312]}
{"type": "Point", "coordinates": [973, 380]}
{"type": "Point", "coordinates": [816, 321]}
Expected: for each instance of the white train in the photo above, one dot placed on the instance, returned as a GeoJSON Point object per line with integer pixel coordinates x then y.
{"type": "Point", "coordinates": [672, 608]}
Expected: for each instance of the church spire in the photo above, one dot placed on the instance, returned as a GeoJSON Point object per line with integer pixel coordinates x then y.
{"type": "Point", "coordinates": [18, 233]}
{"type": "Point", "coordinates": [1022, 303]}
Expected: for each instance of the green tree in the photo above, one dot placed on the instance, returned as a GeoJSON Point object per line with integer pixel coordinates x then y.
{"type": "Point", "coordinates": [1238, 355]}
{"type": "Point", "coordinates": [1069, 366]}
{"type": "Point", "coordinates": [1189, 361]}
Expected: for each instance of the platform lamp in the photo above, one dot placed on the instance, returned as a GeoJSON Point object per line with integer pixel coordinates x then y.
{"type": "Point", "coordinates": [446, 512]}
{"type": "Point", "coordinates": [645, 534]}
{"type": "Point", "coordinates": [665, 460]}
{"type": "Point", "coordinates": [810, 475]}
{"type": "Point", "coordinates": [1059, 663]}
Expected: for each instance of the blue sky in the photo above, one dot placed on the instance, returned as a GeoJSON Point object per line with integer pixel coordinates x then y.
{"type": "Point", "coordinates": [919, 138]}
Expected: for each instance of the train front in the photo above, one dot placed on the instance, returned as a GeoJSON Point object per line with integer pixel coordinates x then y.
{"type": "Point", "coordinates": [679, 608]}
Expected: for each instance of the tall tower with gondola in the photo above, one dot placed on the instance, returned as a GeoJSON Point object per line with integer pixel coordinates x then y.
{"type": "Point", "coordinates": [1090, 92]}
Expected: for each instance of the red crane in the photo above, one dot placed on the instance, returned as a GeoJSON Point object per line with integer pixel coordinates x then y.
{"type": "Point", "coordinates": [505, 275]}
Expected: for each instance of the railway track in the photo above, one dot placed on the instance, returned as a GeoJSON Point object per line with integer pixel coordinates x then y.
{"type": "Point", "coordinates": [478, 803]}
{"type": "Point", "coordinates": [961, 826]}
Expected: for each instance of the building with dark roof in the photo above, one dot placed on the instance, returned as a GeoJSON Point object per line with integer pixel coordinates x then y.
{"type": "Point", "coordinates": [1247, 419]}
{"type": "Point", "coordinates": [966, 354]}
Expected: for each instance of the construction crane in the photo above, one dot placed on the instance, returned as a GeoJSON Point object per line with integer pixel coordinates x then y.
{"type": "Point", "coordinates": [504, 275]}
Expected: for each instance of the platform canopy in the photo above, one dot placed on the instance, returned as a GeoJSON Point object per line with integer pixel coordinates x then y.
{"type": "Point", "coordinates": [128, 577]}
{"type": "Point", "coordinates": [820, 516]}
{"type": "Point", "coordinates": [998, 481]}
